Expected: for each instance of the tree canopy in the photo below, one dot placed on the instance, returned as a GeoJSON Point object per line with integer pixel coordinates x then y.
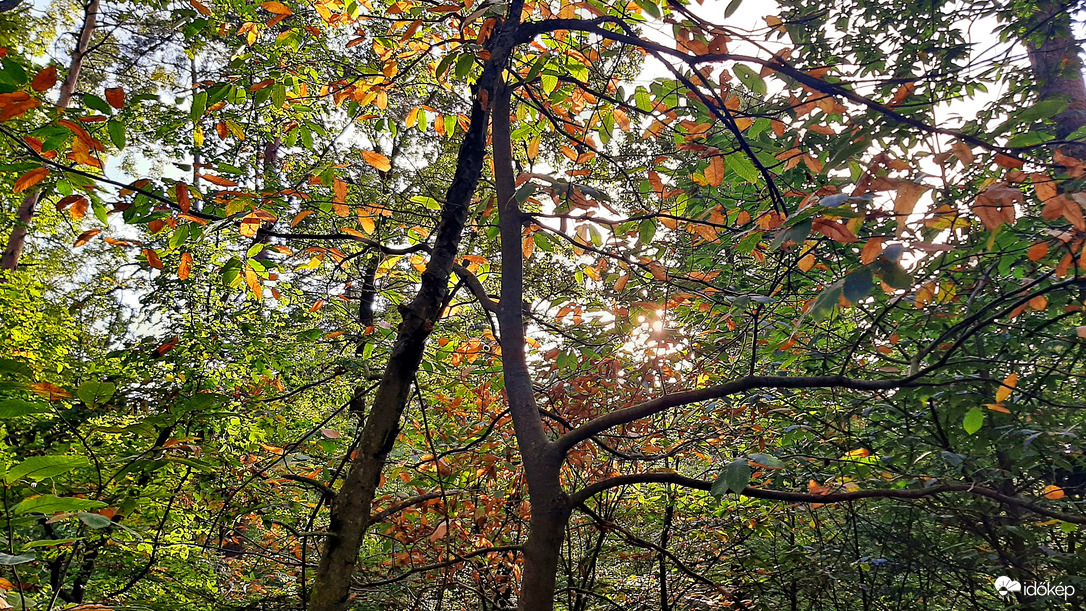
{"type": "Point", "coordinates": [368, 304]}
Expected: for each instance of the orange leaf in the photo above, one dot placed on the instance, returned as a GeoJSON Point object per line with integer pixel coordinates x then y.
{"type": "Point", "coordinates": [1053, 492]}
{"type": "Point", "coordinates": [368, 225]}
{"type": "Point", "coordinates": [86, 237]}
{"type": "Point", "coordinates": [871, 250]}
{"type": "Point", "coordinates": [166, 347]}
{"type": "Point", "coordinates": [377, 160]}
{"type": "Point", "coordinates": [997, 407]}
{"type": "Point", "coordinates": [115, 97]}
{"type": "Point", "coordinates": [714, 173]}
{"type": "Point", "coordinates": [276, 7]}
{"type": "Point", "coordinates": [200, 8]}
{"type": "Point", "coordinates": [44, 79]}
{"type": "Point", "coordinates": [250, 225]}
{"type": "Point", "coordinates": [184, 268]}
{"type": "Point", "coordinates": [30, 179]}
{"type": "Point", "coordinates": [181, 191]}
{"type": "Point", "coordinates": [1006, 388]}
{"type": "Point", "coordinates": [152, 258]}
{"type": "Point", "coordinates": [79, 208]}
{"type": "Point", "coordinates": [318, 304]}
{"type": "Point", "coordinates": [908, 193]}
{"type": "Point", "coordinates": [49, 392]}
{"type": "Point", "coordinates": [300, 216]}
{"type": "Point", "coordinates": [1038, 251]}
{"type": "Point", "coordinates": [340, 189]}
{"type": "Point", "coordinates": [834, 231]}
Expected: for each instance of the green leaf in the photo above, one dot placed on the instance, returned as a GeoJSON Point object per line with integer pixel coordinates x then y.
{"type": "Point", "coordinates": [14, 408]}
{"type": "Point", "coordinates": [427, 202]}
{"type": "Point", "coordinates": [649, 7]}
{"type": "Point", "coordinates": [96, 103]}
{"type": "Point", "coordinates": [199, 105]}
{"type": "Point", "coordinates": [95, 393]}
{"type": "Point", "coordinates": [19, 368]}
{"type": "Point", "coordinates": [973, 420]}
{"type": "Point", "coordinates": [95, 520]}
{"type": "Point", "coordinates": [38, 468]}
{"type": "Point", "coordinates": [893, 274]}
{"type": "Point", "coordinates": [116, 133]}
{"type": "Point", "coordinates": [767, 460]}
{"type": "Point", "coordinates": [858, 284]}
{"type": "Point", "coordinates": [646, 230]}
{"type": "Point", "coordinates": [734, 477]}
{"type": "Point", "coordinates": [750, 78]}
{"type": "Point", "coordinates": [742, 165]}
{"type": "Point", "coordinates": [732, 7]}
{"type": "Point", "coordinates": [48, 504]}
{"type": "Point", "coordinates": [826, 300]}
{"type": "Point", "coordinates": [9, 560]}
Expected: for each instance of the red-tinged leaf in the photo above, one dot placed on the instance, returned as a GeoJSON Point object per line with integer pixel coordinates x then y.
{"type": "Point", "coordinates": [184, 267]}
{"type": "Point", "coordinates": [318, 304]}
{"type": "Point", "coordinates": [86, 237]}
{"type": "Point", "coordinates": [16, 104]}
{"type": "Point", "coordinates": [1006, 161]}
{"type": "Point", "coordinates": [277, 8]}
{"type": "Point", "coordinates": [68, 201]}
{"type": "Point", "coordinates": [115, 97]}
{"type": "Point", "coordinates": [152, 258]}
{"type": "Point", "coordinates": [170, 344]}
{"type": "Point", "coordinates": [262, 85]}
{"type": "Point", "coordinates": [44, 79]}
{"type": "Point", "coordinates": [30, 179]}
{"type": "Point", "coordinates": [49, 392]}
{"type": "Point", "coordinates": [377, 160]}
{"type": "Point", "coordinates": [330, 433]}
{"type": "Point", "coordinates": [300, 216]}
{"type": "Point", "coordinates": [181, 192]}
{"type": "Point", "coordinates": [834, 231]}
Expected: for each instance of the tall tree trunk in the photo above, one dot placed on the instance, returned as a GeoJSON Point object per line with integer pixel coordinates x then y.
{"type": "Point", "coordinates": [1057, 66]}
{"type": "Point", "coordinates": [25, 214]}
{"type": "Point", "coordinates": [542, 464]}
{"type": "Point", "coordinates": [351, 510]}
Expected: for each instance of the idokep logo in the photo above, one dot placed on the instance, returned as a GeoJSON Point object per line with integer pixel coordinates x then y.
{"type": "Point", "coordinates": [1005, 585]}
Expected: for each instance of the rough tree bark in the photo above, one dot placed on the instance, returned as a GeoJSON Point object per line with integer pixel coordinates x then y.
{"type": "Point", "coordinates": [351, 512]}
{"type": "Point", "coordinates": [1057, 66]}
{"type": "Point", "coordinates": [25, 214]}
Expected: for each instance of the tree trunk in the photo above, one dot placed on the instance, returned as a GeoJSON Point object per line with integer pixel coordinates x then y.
{"type": "Point", "coordinates": [1054, 58]}
{"type": "Point", "coordinates": [351, 510]}
{"type": "Point", "coordinates": [25, 214]}
{"type": "Point", "coordinates": [542, 463]}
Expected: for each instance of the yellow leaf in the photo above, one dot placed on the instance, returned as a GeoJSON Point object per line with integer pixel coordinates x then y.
{"type": "Point", "coordinates": [807, 262]}
{"type": "Point", "coordinates": [1006, 388]}
{"type": "Point", "coordinates": [367, 223]}
{"type": "Point", "coordinates": [377, 160]}
{"type": "Point", "coordinates": [277, 8]}
{"type": "Point", "coordinates": [859, 453]}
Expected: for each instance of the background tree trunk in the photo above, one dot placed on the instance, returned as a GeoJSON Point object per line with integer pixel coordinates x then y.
{"type": "Point", "coordinates": [25, 214]}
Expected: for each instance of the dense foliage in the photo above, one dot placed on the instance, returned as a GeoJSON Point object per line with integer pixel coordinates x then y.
{"type": "Point", "coordinates": [368, 304]}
